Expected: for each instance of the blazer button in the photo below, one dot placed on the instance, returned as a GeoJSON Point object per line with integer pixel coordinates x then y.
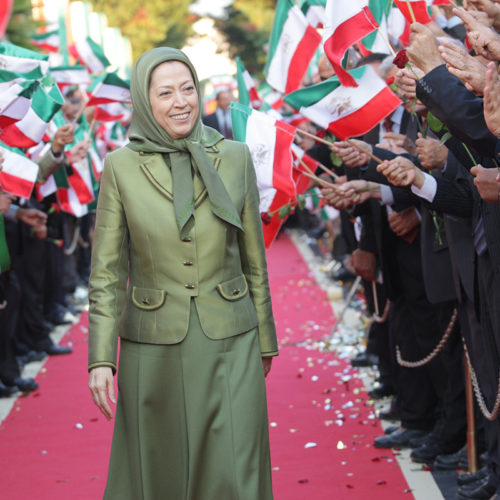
{"type": "Point", "coordinates": [236, 292]}
{"type": "Point", "coordinates": [190, 286]}
{"type": "Point", "coordinates": [188, 262]}
{"type": "Point", "coordinates": [146, 302]}
{"type": "Point", "coordinates": [187, 240]}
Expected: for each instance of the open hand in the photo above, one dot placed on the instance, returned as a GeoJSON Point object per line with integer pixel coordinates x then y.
{"type": "Point", "coordinates": [423, 49]}
{"type": "Point", "coordinates": [101, 386]}
{"type": "Point", "coordinates": [492, 99]}
{"type": "Point", "coordinates": [469, 70]}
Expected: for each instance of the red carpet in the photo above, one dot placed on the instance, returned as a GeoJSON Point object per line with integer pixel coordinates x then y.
{"type": "Point", "coordinates": [54, 445]}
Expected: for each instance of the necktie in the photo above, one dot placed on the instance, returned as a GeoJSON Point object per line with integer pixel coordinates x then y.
{"type": "Point", "coordinates": [480, 243]}
{"type": "Point", "coordinates": [388, 124]}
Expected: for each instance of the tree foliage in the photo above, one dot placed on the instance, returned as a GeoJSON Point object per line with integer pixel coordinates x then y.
{"type": "Point", "coordinates": [246, 26]}
{"type": "Point", "coordinates": [21, 24]}
{"type": "Point", "coordinates": [149, 23]}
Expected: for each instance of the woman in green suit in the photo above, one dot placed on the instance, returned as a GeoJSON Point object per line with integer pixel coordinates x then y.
{"type": "Point", "coordinates": [179, 274]}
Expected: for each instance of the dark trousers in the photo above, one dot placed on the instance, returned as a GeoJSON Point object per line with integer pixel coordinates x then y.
{"type": "Point", "coordinates": [431, 397]}
{"type": "Point", "coordinates": [486, 353]}
{"type": "Point", "coordinates": [10, 294]}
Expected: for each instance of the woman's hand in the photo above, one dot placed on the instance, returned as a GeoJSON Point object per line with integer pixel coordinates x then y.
{"type": "Point", "coordinates": [266, 364]}
{"type": "Point", "coordinates": [101, 386]}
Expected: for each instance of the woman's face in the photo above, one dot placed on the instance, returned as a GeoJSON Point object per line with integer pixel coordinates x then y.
{"type": "Point", "coordinates": [173, 98]}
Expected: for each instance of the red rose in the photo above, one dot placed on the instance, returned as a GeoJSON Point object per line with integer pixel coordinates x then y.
{"type": "Point", "coordinates": [401, 59]}
{"type": "Point", "coordinates": [60, 243]}
{"type": "Point", "coordinates": [266, 218]}
{"type": "Point", "coordinates": [390, 81]}
{"type": "Point", "coordinates": [54, 208]}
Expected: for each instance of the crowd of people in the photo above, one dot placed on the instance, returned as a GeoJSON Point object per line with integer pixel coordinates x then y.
{"type": "Point", "coordinates": [45, 283]}
{"type": "Point", "coordinates": [423, 187]}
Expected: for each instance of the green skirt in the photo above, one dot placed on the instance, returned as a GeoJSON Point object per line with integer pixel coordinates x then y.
{"type": "Point", "coordinates": [191, 421]}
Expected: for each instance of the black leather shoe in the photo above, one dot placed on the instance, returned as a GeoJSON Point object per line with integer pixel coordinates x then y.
{"type": "Point", "coordinates": [7, 390]}
{"type": "Point", "coordinates": [484, 492]}
{"type": "Point", "coordinates": [391, 429]}
{"type": "Point", "coordinates": [55, 350]}
{"type": "Point", "coordinates": [364, 359]}
{"type": "Point", "coordinates": [22, 384]}
{"type": "Point", "coordinates": [398, 439]}
{"type": "Point", "coordinates": [467, 478]}
{"type": "Point", "coordinates": [451, 461]}
{"type": "Point", "coordinates": [381, 391]}
{"type": "Point", "coordinates": [31, 356]}
{"type": "Point", "coordinates": [430, 449]}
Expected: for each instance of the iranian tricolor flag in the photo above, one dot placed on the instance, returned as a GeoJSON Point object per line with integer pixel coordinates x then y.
{"type": "Point", "coordinates": [108, 88]}
{"type": "Point", "coordinates": [302, 182]}
{"type": "Point", "coordinates": [377, 40]}
{"type": "Point", "coordinates": [70, 75]}
{"type": "Point", "coordinates": [291, 47]}
{"type": "Point", "coordinates": [111, 112]}
{"type": "Point", "coordinates": [31, 129]}
{"type": "Point", "coordinates": [247, 91]}
{"type": "Point", "coordinates": [18, 174]}
{"type": "Point", "coordinates": [347, 21]}
{"type": "Point", "coordinates": [9, 78]}
{"type": "Point", "coordinates": [67, 198]}
{"type": "Point", "coordinates": [46, 189]}
{"type": "Point", "coordinates": [347, 111]}
{"type": "Point", "coordinates": [49, 41]}
{"type": "Point", "coordinates": [398, 27]}
{"type": "Point", "coordinates": [15, 102]}
{"type": "Point", "coordinates": [414, 10]}
{"type": "Point", "coordinates": [269, 141]}
{"type": "Point", "coordinates": [314, 10]}
{"type": "Point", "coordinates": [20, 60]}
{"type": "Point", "coordinates": [80, 179]}
{"type": "Point", "coordinates": [91, 54]}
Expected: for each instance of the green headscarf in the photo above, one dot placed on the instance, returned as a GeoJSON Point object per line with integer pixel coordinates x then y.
{"type": "Point", "coordinates": [148, 136]}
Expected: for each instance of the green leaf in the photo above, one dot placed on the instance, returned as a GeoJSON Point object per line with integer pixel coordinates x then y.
{"type": "Point", "coordinates": [301, 199]}
{"type": "Point", "coordinates": [336, 160]}
{"type": "Point", "coordinates": [284, 212]}
{"type": "Point", "coordinates": [445, 138]}
{"type": "Point", "coordinates": [435, 124]}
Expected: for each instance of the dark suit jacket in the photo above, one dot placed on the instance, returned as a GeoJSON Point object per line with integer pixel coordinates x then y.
{"type": "Point", "coordinates": [448, 99]}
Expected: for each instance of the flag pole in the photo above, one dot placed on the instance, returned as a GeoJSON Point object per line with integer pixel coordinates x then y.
{"type": "Point", "coordinates": [412, 14]}
{"type": "Point", "coordinates": [311, 174]}
{"type": "Point", "coordinates": [384, 38]}
{"type": "Point", "coordinates": [359, 148]}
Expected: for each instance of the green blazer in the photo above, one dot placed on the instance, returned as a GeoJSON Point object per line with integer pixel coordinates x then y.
{"type": "Point", "coordinates": [144, 276]}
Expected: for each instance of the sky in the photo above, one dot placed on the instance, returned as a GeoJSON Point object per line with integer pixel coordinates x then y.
{"type": "Point", "coordinates": [210, 7]}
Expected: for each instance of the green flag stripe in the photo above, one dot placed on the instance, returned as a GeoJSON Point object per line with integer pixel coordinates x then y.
{"type": "Point", "coordinates": [239, 117]}
{"type": "Point", "coordinates": [4, 249]}
{"type": "Point", "coordinates": [280, 18]}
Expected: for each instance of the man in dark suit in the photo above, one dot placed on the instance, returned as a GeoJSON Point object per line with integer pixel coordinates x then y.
{"type": "Point", "coordinates": [221, 118]}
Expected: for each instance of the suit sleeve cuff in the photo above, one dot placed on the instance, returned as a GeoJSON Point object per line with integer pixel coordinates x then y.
{"type": "Point", "coordinates": [386, 196]}
{"type": "Point", "coordinates": [269, 354]}
{"type": "Point", "coordinates": [102, 363]}
{"type": "Point", "coordinates": [428, 190]}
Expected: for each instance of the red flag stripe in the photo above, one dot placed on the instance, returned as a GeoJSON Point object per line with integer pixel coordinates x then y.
{"type": "Point", "coordinates": [419, 8]}
{"type": "Point", "coordinates": [16, 185]}
{"type": "Point", "coordinates": [378, 108]}
{"type": "Point", "coordinates": [282, 166]}
{"type": "Point", "coordinates": [348, 33]}
{"type": "Point", "coordinates": [81, 189]}
{"type": "Point", "coordinates": [301, 58]}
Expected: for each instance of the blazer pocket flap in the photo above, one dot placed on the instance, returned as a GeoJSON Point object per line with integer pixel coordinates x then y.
{"type": "Point", "coordinates": [233, 289]}
{"type": "Point", "coordinates": [148, 299]}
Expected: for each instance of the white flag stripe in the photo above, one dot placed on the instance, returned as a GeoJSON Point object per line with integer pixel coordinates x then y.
{"type": "Point", "coordinates": [22, 64]}
{"type": "Point", "coordinates": [315, 15]}
{"type": "Point", "coordinates": [48, 187]}
{"type": "Point", "coordinates": [32, 126]}
{"type": "Point", "coordinates": [115, 92]}
{"type": "Point", "coordinates": [87, 54]}
{"type": "Point", "coordinates": [336, 14]}
{"type": "Point", "coordinates": [71, 76]}
{"type": "Point", "coordinates": [261, 140]}
{"type": "Point", "coordinates": [18, 165]}
{"type": "Point", "coordinates": [13, 105]}
{"type": "Point", "coordinates": [78, 209]}
{"type": "Point", "coordinates": [293, 31]}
